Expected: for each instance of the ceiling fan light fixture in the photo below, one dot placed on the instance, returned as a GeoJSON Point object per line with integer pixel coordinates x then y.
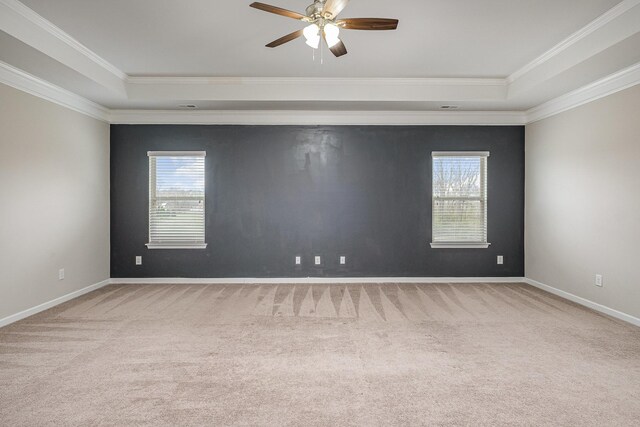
{"type": "Point", "coordinates": [322, 16]}
{"type": "Point", "coordinates": [331, 33]}
{"type": "Point", "coordinates": [312, 34]}
{"type": "Point", "coordinates": [314, 43]}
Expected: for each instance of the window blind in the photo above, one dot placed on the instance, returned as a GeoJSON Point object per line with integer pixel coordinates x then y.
{"type": "Point", "coordinates": [176, 199]}
{"type": "Point", "coordinates": [459, 210]}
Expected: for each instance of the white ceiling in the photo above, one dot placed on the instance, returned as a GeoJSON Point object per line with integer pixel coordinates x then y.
{"type": "Point", "coordinates": [489, 55]}
{"type": "Point", "coordinates": [435, 38]}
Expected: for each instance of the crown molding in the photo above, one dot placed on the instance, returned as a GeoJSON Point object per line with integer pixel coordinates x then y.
{"type": "Point", "coordinates": [590, 51]}
{"type": "Point", "coordinates": [352, 81]}
{"type": "Point", "coordinates": [33, 85]}
{"type": "Point", "coordinates": [23, 23]}
{"type": "Point", "coordinates": [600, 22]}
{"type": "Point", "coordinates": [26, 25]}
{"type": "Point", "coordinates": [316, 89]}
{"type": "Point", "coordinates": [55, 31]}
{"type": "Point", "coordinates": [378, 118]}
{"type": "Point", "coordinates": [609, 85]}
{"type": "Point", "coordinates": [604, 32]}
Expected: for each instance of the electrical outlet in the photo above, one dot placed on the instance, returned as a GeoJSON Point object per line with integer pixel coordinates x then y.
{"type": "Point", "coordinates": [599, 280]}
{"type": "Point", "coordinates": [343, 260]}
{"type": "Point", "coordinates": [138, 260]}
{"type": "Point", "coordinates": [298, 260]}
{"type": "Point", "coordinates": [317, 260]}
{"type": "Point", "coordinates": [61, 274]}
{"type": "Point", "coordinates": [500, 260]}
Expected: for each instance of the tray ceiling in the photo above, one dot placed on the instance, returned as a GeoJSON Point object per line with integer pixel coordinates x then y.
{"type": "Point", "coordinates": [494, 55]}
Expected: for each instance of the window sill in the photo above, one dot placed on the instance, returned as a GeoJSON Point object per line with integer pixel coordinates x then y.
{"type": "Point", "coordinates": [176, 246]}
{"type": "Point", "coordinates": [460, 245]}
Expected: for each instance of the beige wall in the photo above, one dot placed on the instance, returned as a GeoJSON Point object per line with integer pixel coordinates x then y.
{"type": "Point", "coordinates": [583, 201]}
{"type": "Point", "coordinates": [54, 190]}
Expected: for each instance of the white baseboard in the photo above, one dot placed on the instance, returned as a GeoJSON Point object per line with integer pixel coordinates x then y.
{"type": "Point", "coordinates": [44, 306]}
{"type": "Point", "coordinates": [312, 280]}
{"type": "Point", "coordinates": [584, 302]}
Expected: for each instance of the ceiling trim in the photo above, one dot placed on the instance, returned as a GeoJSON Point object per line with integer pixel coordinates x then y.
{"type": "Point", "coordinates": [264, 117]}
{"type": "Point", "coordinates": [599, 38]}
{"type": "Point", "coordinates": [18, 79]}
{"type": "Point", "coordinates": [315, 89]}
{"type": "Point", "coordinates": [366, 81]}
{"type": "Point", "coordinates": [609, 85]}
{"type": "Point", "coordinates": [55, 31]}
{"type": "Point", "coordinates": [33, 85]}
{"type": "Point", "coordinates": [600, 22]}
{"type": "Point", "coordinates": [610, 28]}
{"type": "Point", "coordinates": [36, 86]}
{"type": "Point", "coordinates": [26, 25]}
{"type": "Point", "coordinates": [604, 32]}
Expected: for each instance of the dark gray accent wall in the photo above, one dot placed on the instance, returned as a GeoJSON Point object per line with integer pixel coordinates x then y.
{"type": "Point", "coordinates": [274, 192]}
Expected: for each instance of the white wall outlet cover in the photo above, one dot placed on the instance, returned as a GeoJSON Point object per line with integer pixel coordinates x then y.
{"type": "Point", "coordinates": [599, 280]}
{"type": "Point", "coordinates": [317, 260]}
{"type": "Point", "coordinates": [138, 260]}
{"type": "Point", "coordinates": [500, 259]}
{"type": "Point", "coordinates": [343, 260]}
{"type": "Point", "coordinates": [61, 274]}
{"type": "Point", "coordinates": [298, 260]}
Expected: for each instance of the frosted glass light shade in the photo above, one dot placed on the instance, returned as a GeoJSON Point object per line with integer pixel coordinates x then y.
{"type": "Point", "coordinates": [312, 34]}
{"type": "Point", "coordinates": [331, 33]}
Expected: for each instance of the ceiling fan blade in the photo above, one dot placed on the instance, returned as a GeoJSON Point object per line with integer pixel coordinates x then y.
{"type": "Point", "coordinates": [334, 7]}
{"type": "Point", "coordinates": [338, 49]}
{"type": "Point", "coordinates": [277, 10]}
{"type": "Point", "coordinates": [285, 39]}
{"type": "Point", "coordinates": [368, 24]}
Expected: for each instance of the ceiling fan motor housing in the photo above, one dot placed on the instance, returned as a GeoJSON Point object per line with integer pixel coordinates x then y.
{"type": "Point", "coordinates": [314, 11]}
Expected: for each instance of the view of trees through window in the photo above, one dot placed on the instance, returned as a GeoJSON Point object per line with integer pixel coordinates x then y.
{"type": "Point", "coordinates": [459, 198]}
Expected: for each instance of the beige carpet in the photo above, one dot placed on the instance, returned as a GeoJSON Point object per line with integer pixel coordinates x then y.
{"type": "Point", "coordinates": [481, 354]}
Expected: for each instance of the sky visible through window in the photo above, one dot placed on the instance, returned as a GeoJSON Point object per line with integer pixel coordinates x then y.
{"type": "Point", "coordinates": [176, 204]}
{"type": "Point", "coordinates": [183, 175]}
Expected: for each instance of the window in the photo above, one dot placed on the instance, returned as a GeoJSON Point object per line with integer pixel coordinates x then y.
{"type": "Point", "coordinates": [459, 209]}
{"type": "Point", "coordinates": [176, 200]}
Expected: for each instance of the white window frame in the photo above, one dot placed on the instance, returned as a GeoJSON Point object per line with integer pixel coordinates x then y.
{"type": "Point", "coordinates": [152, 192]}
{"type": "Point", "coordinates": [483, 199]}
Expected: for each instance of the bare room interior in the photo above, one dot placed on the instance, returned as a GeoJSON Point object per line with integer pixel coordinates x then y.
{"type": "Point", "coordinates": [340, 212]}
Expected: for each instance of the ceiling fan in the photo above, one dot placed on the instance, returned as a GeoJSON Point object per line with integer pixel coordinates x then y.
{"type": "Point", "coordinates": [322, 17]}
